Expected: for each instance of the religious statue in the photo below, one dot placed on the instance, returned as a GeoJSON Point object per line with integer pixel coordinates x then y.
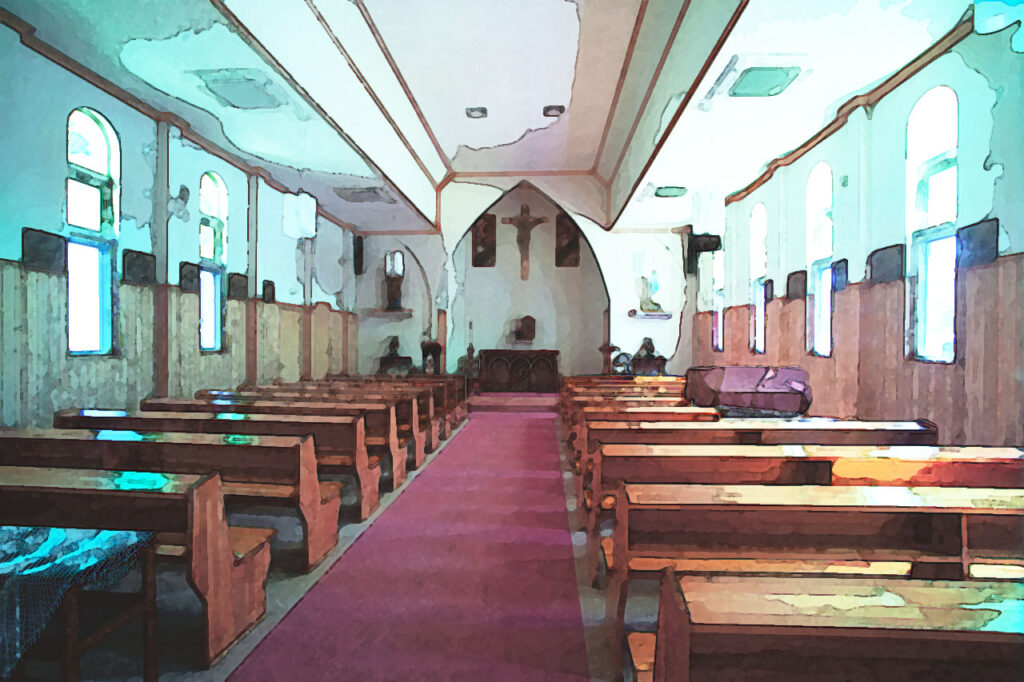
{"type": "Point", "coordinates": [394, 273]}
{"type": "Point", "coordinates": [392, 362]}
{"type": "Point", "coordinates": [523, 223]}
{"type": "Point", "coordinates": [645, 289]}
{"type": "Point", "coordinates": [646, 360]}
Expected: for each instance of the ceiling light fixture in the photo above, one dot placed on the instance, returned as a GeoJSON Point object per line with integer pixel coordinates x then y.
{"type": "Point", "coordinates": [554, 110]}
{"type": "Point", "coordinates": [670, 191]}
{"type": "Point", "coordinates": [764, 81]}
{"type": "Point", "coordinates": [476, 112]}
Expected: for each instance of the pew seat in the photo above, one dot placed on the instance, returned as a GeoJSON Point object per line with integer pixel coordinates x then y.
{"type": "Point", "coordinates": [275, 470]}
{"type": "Point", "coordinates": [226, 568]}
{"type": "Point", "coordinates": [333, 436]}
{"type": "Point", "coordinates": [801, 628]}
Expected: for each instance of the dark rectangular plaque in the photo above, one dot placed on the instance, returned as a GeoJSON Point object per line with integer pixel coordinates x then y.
{"type": "Point", "coordinates": [977, 244]}
{"type": "Point", "coordinates": [567, 242]}
{"type": "Point", "coordinates": [238, 286]}
{"type": "Point", "coordinates": [269, 294]}
{"type": "Point", "coordinates": [357, 256]}
{"type": "Point", "coordinates": [796, 285]}
{"type": "Point", "coordinates": [769, 290]}
{"type": "Point", "coordinates": [485, 242]}
{"type": "Point", "coordinates": [138, 267]}
{"type": "Point", "coordinates": [188, 278]}
{"type": "Point", "coordinates": [886, 265]}
{"type": "Point", "coordinates": [840, 274]}
{"type": "Point", "coordinates": [44, 251]}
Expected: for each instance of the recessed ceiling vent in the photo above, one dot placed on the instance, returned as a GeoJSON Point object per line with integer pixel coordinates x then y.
{"type": "Point", "coordinates": [764, 81]}
{"type": "Point", "coordinates": [363, 195]}
{"type": "Point", "coordinates": [476, 112]}
{"type": "Point", "coordinates": [243, 88]}
{"type": "Point", "coordinates": [554, 110]}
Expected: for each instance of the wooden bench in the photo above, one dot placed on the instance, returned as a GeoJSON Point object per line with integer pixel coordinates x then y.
{"type": "Point", "coordinates": [411, 422]}
{"type": "Point", "coordinates": [226, 566]}
{"type": "Point", "coordinates": [925, 532]}
{"type": "Point", "coordinates": [897, 465]}
{"type": "Point", "coordinates": [596, 412]}
{"type": "Point", "coordinates": [828, 629]}
{"type": "Point", "coordinates": [339, 441]}
{"type": "Point", "coordinates": [431, 398]}
{"type": "Point", "coordinates": [804, 431]}
{"type": "Point", "coordinates": [272, 470]}
{"type": "Point", "coordinates": [379, 419]}
{"type": "Point", "coordinates": [449, 393]}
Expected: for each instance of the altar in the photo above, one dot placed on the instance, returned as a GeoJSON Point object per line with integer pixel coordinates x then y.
{"type": "Point", "coordinates": [519, 370]}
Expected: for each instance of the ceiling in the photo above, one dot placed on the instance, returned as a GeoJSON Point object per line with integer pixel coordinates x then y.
{"type": "Point", "coordinates": [363, 102]}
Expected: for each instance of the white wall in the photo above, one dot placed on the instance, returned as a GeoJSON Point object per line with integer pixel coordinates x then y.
{"type": "Point", "coordinates": [35, 100]}
{"type": "Point", "coordinates": [868, 156]}
{"type": "Point", "coordinates": [567, 303]}
{"type": "Point", "coordinates": [187, 162]}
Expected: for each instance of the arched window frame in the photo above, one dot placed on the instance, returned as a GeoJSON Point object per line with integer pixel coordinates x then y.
{"type": "Point", "coordinates": [819, 204]}
{"type": "Point", "coordinates": [932, 183]}
{"type": "Point", "coordinates": [92, 215]}
{"type": "Point", "coordinates": [758, 237]}
{"type": "Point", "coordinates": [213, 218]}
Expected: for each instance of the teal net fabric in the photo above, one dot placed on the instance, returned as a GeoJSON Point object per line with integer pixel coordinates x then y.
{"type": "Point", "coordinates": [39, 565]}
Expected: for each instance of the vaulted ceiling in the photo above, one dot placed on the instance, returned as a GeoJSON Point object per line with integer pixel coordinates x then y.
{"type": "Point", "coordinates": [363, 103]}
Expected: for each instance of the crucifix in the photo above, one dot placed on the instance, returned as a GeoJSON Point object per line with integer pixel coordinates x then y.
{"type": "Point", "coordinates": [524, 222]}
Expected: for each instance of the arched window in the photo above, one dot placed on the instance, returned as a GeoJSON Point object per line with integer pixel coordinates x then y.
{"type": "Point", "coordinates": [213, 219]}
{"type": "Point", "coordinates": [819, 204]}
{"type": "Point", "coordinates": [758, 274]}
{"type": "Point", "coordinates": [932, 206]}
{"type": "Point", "coordinates": [91, 213]}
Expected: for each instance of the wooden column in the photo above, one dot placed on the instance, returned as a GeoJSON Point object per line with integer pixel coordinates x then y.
{"type": "Point", "coordinates": [442, 339]}
{"type": "Point", "coordinates": [161, 292]}
{"type": "Point", "coordinates": [251, 306]}
{"type": "Point", "coordinates": [306, 333]}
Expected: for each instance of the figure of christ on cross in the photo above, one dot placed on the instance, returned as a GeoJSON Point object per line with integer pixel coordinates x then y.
{"type": "Point", "coordinates": [524, 222]}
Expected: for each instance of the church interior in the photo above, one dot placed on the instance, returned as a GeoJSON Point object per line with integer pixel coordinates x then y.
{"type": "Point", "coordinates": [536, 340]}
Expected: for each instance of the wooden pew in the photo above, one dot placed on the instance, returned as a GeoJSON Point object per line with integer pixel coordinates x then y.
{"type": "Point", "coordinates": [432, 410]}
{"type": "Point", "coordinates": [453, 393]}
{"type": "Point", "coordinates": [898, 465]}
{"type": "Point", "coordinates": [226, 566]}
{"type": "Point", "coordinates": [411, 423]}
{"type": "Point", "coordinates": [820, 628]}
{"type": "Point", "coordinates": [925, 532]}
{"type": "Point", "coordinates": [803, 431]}
{"type": "Point", "coordinates": [633, 413]}
{"type": "Point", "coordinates": [272, 470]}
{"type": "Point", "coordinates": [339, 441]}
{"type": "Point", "coordinates": [379, 419]}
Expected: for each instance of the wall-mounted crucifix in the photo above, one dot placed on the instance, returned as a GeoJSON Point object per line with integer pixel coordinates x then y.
{"type": "Point", "coordinates": [524, 222]}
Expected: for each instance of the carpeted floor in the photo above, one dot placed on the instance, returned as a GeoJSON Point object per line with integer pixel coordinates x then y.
{"type": "Point", "coordinates": [469, 575]}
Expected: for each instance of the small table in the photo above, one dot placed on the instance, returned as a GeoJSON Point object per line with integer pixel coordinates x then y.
{"type": "Point", "coordinates": [41, 573]}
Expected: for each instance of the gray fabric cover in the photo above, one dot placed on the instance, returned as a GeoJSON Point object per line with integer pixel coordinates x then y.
{"type": "Point", "coordinates": [739, 391]}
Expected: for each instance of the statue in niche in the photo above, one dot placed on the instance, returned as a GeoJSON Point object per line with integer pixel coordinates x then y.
{"type": "Point", "coordinates": [524, 223]}
{"type": "Point", "coordinates": [431, 351]}
{"type": "Point", "coordinates": [392, 362]}
{"type": "Point", "coordinates": [394, 273]}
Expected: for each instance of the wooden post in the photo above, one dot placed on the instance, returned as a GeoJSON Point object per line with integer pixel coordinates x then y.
{"type": "Point", "coordinates": [161, 294]}
{"type": "Point", "coordinates": [252, 272]}
{"type": "Point", "coordinates": [442, 339]}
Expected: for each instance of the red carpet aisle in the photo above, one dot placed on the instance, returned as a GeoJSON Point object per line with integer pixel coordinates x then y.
{"type": "Point", "coordinates": [467, 576]}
